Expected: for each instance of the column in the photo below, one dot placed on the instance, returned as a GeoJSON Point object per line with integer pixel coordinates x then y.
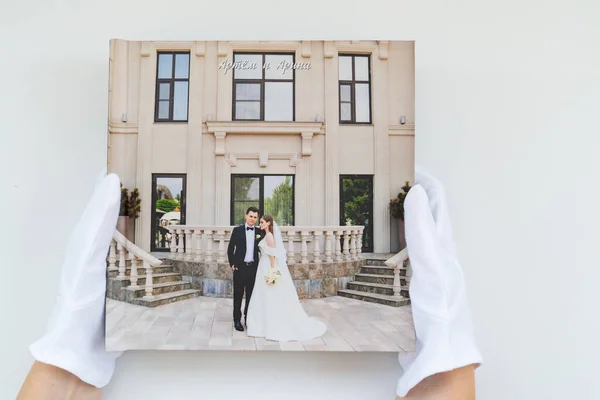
{"type": "Point", "coordinates": [194, 135]}
{"type": "Point", "coordinates": [118, 79]}
{"type": "Point", "coordinates": [144, 145]}
{"type": "Point", "coordinates": [117, 94]}
{"type": "Point", "coordinates": [381, 184]}
{"type": "Point", "coordinates": [221, 187]}
{"type": "Point", "coordinates": [331, 135]}
{"type": "Point", "coordinates": [224, 83]}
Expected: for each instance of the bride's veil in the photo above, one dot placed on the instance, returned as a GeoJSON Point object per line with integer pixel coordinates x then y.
{"type": "Point", "coordinates": [279, 245]}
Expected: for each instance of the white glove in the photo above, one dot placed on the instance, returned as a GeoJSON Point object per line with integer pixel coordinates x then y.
{"type": "Point", "coordinates": [74, 338]}
{"type": "Point", "coordinates": [441, 316]}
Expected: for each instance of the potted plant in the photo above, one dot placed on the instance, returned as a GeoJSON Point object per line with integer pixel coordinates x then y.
{"type": "Point", "coordinates": [397, 211]}
{"type": "Point", "coordinates": [128, 212]}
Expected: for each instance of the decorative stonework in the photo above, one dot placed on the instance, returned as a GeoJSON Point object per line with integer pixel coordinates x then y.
{"type": "Point", "coordinates": [329, 49]}
{"type": "Point", "coordinates": [307, 143]}
{"type": "Point", "coordinates": [122, 127]}
{"type": "Point", "coordinates": [401, 130]}
{"type": "Point", "coordinates": [146, 49]}
{"type": "Point", "coordinates": [311, 280]}
{"type": "Point", "coordinates": [364, 46]}
{"type": "Point", "coordinates": [267, 45]}
{"type": "Point", "coordinates": [232, 158]}
{"type": "Point", "coordinates": [149, 46]}
{"type": "Point", "coordinates": [306, 130]}
{"type": "Point", "coordinates": [383, 50]}
{"type": "Point", "coordinates": [263, 158]}
{"type": "Point", "coordinates": [222, 49]}
{"type": "Point", "coordinates": [306, 49]}
{"type": "Point", "coordinates": [200, 49]}
{"type": "Point", "coordinates": [263, 127]}
{"type": "Point", "coordinates": [220, 143]}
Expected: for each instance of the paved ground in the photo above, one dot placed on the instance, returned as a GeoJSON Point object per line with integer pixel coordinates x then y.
{"type": "Point", "coordinates": [205, 323]}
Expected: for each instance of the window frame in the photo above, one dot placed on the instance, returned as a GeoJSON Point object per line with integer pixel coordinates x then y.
{"type": "Point", "coordinates": [352, 83]}
{"type": "Point", "coordinates": [262, 85]}
{"type": "Point", "coordinates": [155, 177]}
{"type": "Point", "coordinates": [171, 81]}
{"type": "Point", "coordinates": [261, 195]}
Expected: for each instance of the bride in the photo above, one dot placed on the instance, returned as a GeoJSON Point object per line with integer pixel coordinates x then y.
{"type": "Point", "coordinates": [275, 312]}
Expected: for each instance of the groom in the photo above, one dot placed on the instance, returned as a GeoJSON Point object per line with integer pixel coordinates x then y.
{"type": "Point", "coordinates": [243, 259]}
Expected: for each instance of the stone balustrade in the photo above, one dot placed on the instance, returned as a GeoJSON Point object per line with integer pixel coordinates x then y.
{"type": "Point", "coordinates": [305, 244]}
{"type": "Point", "coordinates": [397, 262]}
{"type": "Point", "coordinates": [123, 254]}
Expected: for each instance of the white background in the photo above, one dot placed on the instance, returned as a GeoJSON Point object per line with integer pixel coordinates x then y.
{"type": "Point", "coordinates": [507, 100]}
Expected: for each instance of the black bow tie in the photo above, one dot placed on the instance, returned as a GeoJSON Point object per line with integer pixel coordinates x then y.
{"type": "Point", "coordinates": [249, 228]}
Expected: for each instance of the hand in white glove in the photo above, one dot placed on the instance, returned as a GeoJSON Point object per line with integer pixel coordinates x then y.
{"type": "Point", "coordinates": [441, 316]}
{"type": "Point", "coordinates": [74, 339]}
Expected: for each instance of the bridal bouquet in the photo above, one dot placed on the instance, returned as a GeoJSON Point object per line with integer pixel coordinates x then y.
{"type": "Point", "coordinates": [272, 277]}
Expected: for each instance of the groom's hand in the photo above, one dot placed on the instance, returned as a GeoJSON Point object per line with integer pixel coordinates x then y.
{"type": "Point", "coordinates": [233, 268]}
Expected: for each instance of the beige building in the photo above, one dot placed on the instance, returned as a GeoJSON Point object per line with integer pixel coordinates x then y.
{"type": "Point", "coordinates": [316, 133]}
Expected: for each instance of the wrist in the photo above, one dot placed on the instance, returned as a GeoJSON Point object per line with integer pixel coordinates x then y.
{"type": "Point", "coordinates": [456, 384]}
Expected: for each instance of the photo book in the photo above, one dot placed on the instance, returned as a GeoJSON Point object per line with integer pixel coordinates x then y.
{"type": "Point", "coordinates": [262, 193]}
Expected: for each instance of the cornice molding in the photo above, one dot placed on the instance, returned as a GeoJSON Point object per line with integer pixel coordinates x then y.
{"type": "Point", "coordinates": [263, 127]}
{"type": "Point", "coordinates": [130, 128]}
{"type": "Point", "coordinates": [268, 45]}
{"type": "Point", "coordinates": [401, 130]}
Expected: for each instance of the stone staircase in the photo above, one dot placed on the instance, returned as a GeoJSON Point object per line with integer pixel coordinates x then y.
{"type": "Point", "coordinates": [375, 283]}
{"type": "Point", "coordinates": [168, 286]}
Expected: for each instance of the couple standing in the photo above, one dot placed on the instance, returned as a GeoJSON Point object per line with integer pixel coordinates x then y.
{"type": "Point", "coordinates": [272, 312]}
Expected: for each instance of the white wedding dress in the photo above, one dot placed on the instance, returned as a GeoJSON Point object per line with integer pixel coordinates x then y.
{"type": "Point", "coordinates": [275, 312]}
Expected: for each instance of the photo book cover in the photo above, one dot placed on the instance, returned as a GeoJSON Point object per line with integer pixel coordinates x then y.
{"type": "Point", "coordinates": [262, 195]}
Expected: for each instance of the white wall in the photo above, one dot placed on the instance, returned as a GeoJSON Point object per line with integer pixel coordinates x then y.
{"type": "Point", "coordinates": [506, 99]}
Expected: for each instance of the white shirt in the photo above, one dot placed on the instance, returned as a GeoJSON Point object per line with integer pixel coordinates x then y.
{"type": "Point", "coordinates": [250, 235]}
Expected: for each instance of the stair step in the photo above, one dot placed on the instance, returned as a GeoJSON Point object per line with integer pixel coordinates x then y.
{"type": "Point", "coordinates": [376, 278]}
{"type": "Point", "coordinates": [380, 270]}
{"type": "Point", "coordinates": [374, 261]}
{"type": "Point", "coordinates": [157, 278]}
{"type": "Point", "coordinates": [376, 288]}
{"type": "Point", "coordinates": [167, 298]}
{"type": "Point", "coordinates": [163, 269]}
{"type": "Point", "coordinates": [160, 288]}
{"type": "Point", "coordinates": [374, 298]}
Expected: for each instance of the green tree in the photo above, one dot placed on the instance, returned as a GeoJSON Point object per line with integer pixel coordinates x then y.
{"type": "Point", "coordinates": [167, 205]}
{"type": "Point", "coordinates": [280, 204]}
{"type": "Point", "coordinates": [241, 197]}
{"type": "Point", "coordinates": [241, 188]}
{"type": "Point", "coordinates": [357, 205]}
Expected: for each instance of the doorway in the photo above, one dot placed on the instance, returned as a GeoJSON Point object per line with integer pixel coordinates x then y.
{"type": "Point", "coordinates": [168, 198]}
{"type": "Point", "coordinates": [356, 205]}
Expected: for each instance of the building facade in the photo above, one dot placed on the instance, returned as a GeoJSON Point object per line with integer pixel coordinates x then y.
{"type": "Point", "coordinates": [315, 133]}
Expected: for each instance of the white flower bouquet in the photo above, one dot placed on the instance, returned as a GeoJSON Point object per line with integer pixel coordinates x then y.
{"type": "Point", "coordinates": [272, 277]}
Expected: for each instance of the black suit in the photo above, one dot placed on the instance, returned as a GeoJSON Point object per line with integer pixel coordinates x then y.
{"type": "Point", "coordinates": [245, 274]}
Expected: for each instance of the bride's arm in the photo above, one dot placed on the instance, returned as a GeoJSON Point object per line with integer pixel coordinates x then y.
{"type": "Point", "coordinates": [271, 243]}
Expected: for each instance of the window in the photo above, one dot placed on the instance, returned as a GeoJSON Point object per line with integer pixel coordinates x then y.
{"type": "Point", "coordinates": [168, 197]}
{"type": "Point", "coordinates": [271, 194]}
{"type": "Point", "coordinates": [172, 87]}
{"type": "Point", "coordinates": [263, 87]}
{"type": "Point", "coordinates": [355, 89]}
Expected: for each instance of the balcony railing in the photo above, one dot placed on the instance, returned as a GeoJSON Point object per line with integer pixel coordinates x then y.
{"type": "Point", "coordinates": [305, 244]}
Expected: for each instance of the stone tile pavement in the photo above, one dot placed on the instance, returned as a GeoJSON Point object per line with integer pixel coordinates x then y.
{"type": "Point", "coordinates": [205, 323]}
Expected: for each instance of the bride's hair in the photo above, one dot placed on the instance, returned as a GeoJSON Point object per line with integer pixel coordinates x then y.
{"type": "Point", "coordinates": [269, 219]}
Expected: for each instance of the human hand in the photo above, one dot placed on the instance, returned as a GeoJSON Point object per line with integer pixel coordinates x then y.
{"type": "Point", "coordinates": [234, 268]}
{"type": "Point", "coordinates": [441, 316]}
{"type": "Point", "coordinates": [74, 338]}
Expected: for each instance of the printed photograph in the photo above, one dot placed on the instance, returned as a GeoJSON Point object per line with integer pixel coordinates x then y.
{"type": "Point", "coordinates": [262, 194]}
